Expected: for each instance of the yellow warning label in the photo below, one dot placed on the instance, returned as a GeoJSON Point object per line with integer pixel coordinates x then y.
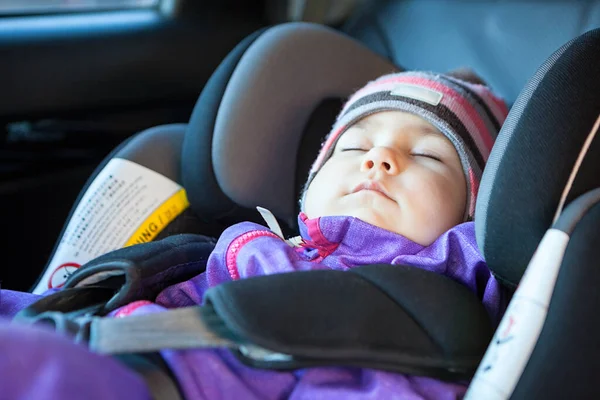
{"type": "Point", "coordinates": [160, 218]}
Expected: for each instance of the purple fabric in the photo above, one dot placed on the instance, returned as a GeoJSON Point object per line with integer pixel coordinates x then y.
{"type": "Point", "coordinates": [39, 364]}
{"type": "Point", "coordinates": [336, 243]}
{"type": "Point", "coordinates": [12, 302]}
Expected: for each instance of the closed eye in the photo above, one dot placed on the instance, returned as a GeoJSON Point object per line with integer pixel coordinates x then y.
{"type": "Point", "coordinates": [426, 155]}
{"type": "Point", "coordinates": [352, 149]}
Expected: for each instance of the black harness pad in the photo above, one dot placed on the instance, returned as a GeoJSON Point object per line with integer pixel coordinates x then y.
{"type": "Point", "coordinates": [391, 317]}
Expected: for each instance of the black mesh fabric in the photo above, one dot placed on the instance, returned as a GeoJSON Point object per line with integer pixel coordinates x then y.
{"type": "Point", "coordinates": [534, 155]}
{"type": "Point", "coordinates": [128, 274]}
{"type": "Point", "coordinates": [566, 359]}
{"type": "Point", "coordinates": [147, 268]}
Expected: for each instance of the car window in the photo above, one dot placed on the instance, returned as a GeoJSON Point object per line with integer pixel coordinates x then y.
{"type": "Point", "coordinates": [8, 7]}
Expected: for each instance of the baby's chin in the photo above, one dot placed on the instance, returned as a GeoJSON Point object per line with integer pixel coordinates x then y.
{"type": "Point", "coordinates": [379, 219]}
{"type": "Point", "coordinates": [392, 223]}
{"type": "Point", "coordinates": [375, 217]}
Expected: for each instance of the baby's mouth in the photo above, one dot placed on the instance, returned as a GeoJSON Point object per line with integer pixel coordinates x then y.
{"type": "Point", "coordinates": [373, 186]}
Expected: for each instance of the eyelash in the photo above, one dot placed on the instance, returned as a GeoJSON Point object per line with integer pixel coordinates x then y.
{"type": "Point", "coordinates": [431, 156]}
{"type": "Point", "coordinates": [436, 158]}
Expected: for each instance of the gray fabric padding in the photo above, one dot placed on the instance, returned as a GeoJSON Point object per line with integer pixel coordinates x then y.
{"type": "Point", "coordinates": [505, 136]}
{"type": "Point", "coordinates": [278, 82]}
{"type": "Point", "coordinates": [503, 41]}
{"type": "Point", "coordinates": [158, 149]}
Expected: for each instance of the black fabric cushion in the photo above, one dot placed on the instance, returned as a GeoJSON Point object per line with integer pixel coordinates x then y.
{"type": "Point", "coordinates": [314, 135]}
{"type": "Point", "coordinates": [204, 193]}
{"type": "Point", "coordinates": [125, 275]}
{"type": "Point", "coordinates": [144, 270]}
{"type": "Point", "coordinates": [566, 359]}
{"type": "Point", "coordinates": [534, 155]}
{"type": "Point", "coordinates": [392, 317]}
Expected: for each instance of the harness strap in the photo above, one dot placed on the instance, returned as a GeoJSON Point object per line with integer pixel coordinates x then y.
{"type": "Point", "coordinates": [390, 317]}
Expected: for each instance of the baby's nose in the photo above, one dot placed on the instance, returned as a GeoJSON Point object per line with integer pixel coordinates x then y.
{"type": "Point", "coordinates": [380, 158]}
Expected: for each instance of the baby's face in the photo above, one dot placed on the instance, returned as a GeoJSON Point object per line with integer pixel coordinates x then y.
{"type": "Point", "coordinates": [396, 171]}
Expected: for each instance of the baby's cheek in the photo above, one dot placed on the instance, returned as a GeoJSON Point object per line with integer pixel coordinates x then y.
{"type": "Point", "coordinates": [318, 199]}
{"type": "Point", "coordinates": [423, 189]}
{"type": "Point", "coordinates": [434, 200]}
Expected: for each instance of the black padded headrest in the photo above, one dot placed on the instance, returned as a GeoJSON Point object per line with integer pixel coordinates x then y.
{"type": "Point", "coordinates": [197, 173]}
{"type": "Point", "coordinates": [535, 153]}
{"type": "Point", "coordinates": [248, 125]}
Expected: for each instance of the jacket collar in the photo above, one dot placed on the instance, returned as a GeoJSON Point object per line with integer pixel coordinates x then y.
{"type": "Point", "coordinates": [351, 235]}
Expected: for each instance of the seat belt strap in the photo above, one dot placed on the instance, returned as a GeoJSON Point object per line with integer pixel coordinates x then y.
{"type": "Point", "coordinates": [182, 328]}
{"type": "Point", "coordinates": [379, 316]}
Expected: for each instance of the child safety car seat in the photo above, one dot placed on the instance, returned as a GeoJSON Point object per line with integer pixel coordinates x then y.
{"type": "Point", "coordinates": [277, 93]}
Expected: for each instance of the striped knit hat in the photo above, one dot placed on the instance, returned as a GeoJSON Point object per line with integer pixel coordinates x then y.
{"type": "Point", "coordinates": [468, 114]}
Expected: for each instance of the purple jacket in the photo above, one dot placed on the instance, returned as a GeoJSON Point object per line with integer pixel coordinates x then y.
{"type": "Point", "coordinates": [340, 243]}
{"type": "Point", "coordinates": [249, 249]}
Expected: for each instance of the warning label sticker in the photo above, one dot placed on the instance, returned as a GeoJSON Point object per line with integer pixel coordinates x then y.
{"type": "Point", "coordinates": [126, 204]}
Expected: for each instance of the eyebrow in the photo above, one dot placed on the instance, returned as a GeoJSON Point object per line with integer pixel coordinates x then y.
{"type": "Point", "coordinates": [362, 123]}
{"type": "Point", "coordinates": [428, 131]}
{"type": "Point", "coordinates": [425, 132]}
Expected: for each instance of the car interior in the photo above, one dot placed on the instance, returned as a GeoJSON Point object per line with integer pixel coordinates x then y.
{"type": "Point", "coordinates": [187, 89]}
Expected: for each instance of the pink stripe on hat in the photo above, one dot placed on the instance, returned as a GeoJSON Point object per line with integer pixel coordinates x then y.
{"type": "Point", "coordinates": [331, 139]}
{"type": "Point", "coordinates": [474, 185]}
{"type": "Point", "coordinates": [496, 105]}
